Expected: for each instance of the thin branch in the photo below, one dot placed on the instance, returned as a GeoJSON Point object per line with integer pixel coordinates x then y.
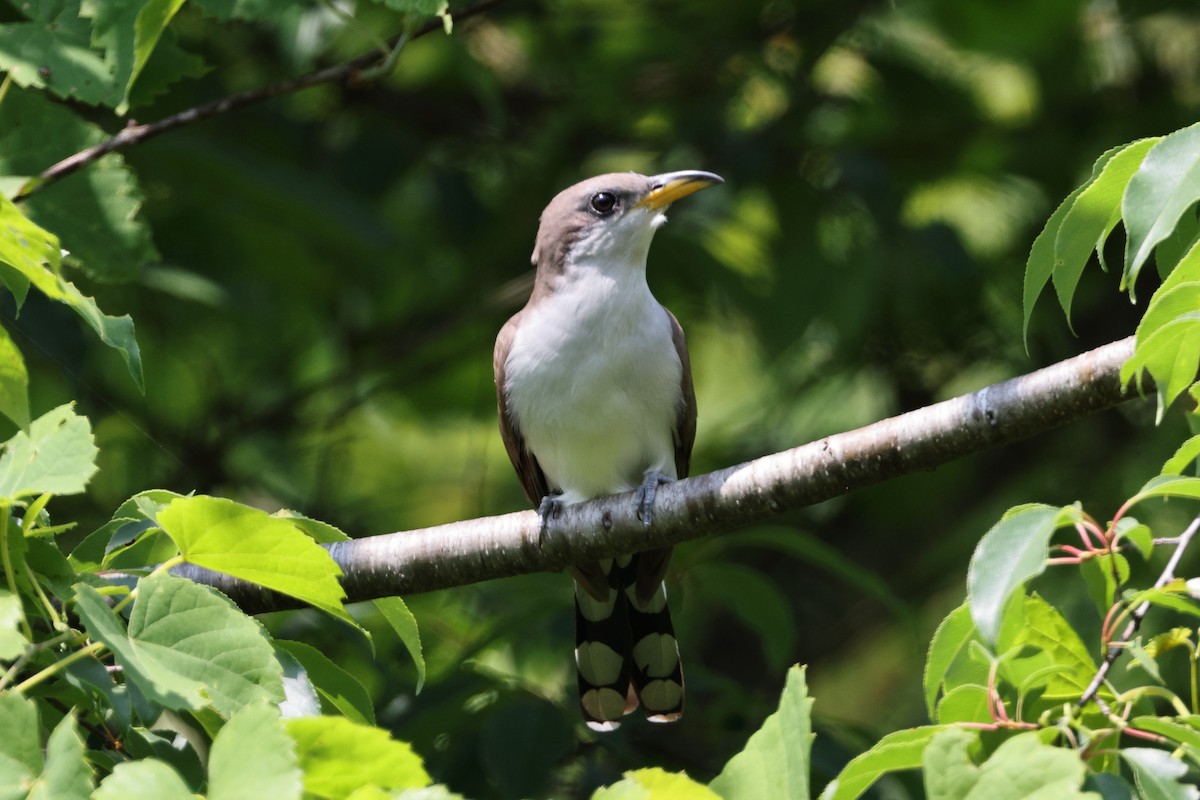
{"type": "Point", "coordinates": [135, 133]}
{"type": "Point", "coordinates": [494, 547]}
{"type": "Point", "coordinates": [1139, 613]}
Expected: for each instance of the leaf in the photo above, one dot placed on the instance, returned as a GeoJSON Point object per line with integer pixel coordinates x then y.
{"type": "Point", "coordinates": [12, 641]}
{"type": "Point", "coordinates": [116, 332]}
{"type": "Point", "coordinates": [1091, 217]}
{"type": "Point", "coordinates": [1008, 555]}
{"type": "Point", "coordinates": [1165, 186]}
{"type": "Point", "coordinates": [14, 382]}
{"type": "Point", "coordinates": [20, 744]}
{"type": "Point", "coordinates": [1185, 735]}
{"type": "Point", "coordinates": [1046, 629]}
{"type": "Point", "coordinates": [338, 756]}
{"type": "Point", "coordinates": [52, 51]}
{"type": "Point", "coordinates": [128, 30]}
{"type": "Point", "coordinates": [29, 249]}
{"type": "Point", "coordinates": [1101, 584]}
{"type": "Point", "coordinates": [776, 760]}
{"type": "Point", "coordinates": [57, 455]}
{"type": "Point", "coordinates": [1024, 764]}
{"type": "Point", "coordinates": [964, 703]}
{"type": "Point", "coordinates": [655, 784]}
{"type": "Point", "coordinates": [950, 638]}
{"type": "Point", "coordinates": [1183, 457]}
{"type": "Point", "coordinates": [252, 545]}
{"type": "Point", "coordinates": [947, 766]}
{"type": "Point", "coordinates": [1039, 268]}
{"type": "Point", "coordinates": [67, 775]}
{"type": "Point", "coordinates": [1170, 596]}
{"type": "Point", "coordinates": [899, 750]}
{"type": "Point", "coordinates": [1168, 486]}
{"type": "Point", "coordinates": [253, 757]}
{"type": "Point", "coordinates": [147, 777]}
{"type": "Point", "coordinates": [402, 621]}
{"type": "Point", "coordinates": [335, 684]}
{"type": "Point", "coordinates": [1157, 774]}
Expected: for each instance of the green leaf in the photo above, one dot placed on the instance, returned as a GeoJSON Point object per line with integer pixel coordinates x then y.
{"type": "Point", "coordinates": [1024, 766]}
{"type": "Point", "coordinates": [1183, 457]}
{"type": "Point", "coordinates": [336, 685]}
{"type": "Point", "coordinates": [1012, 552]}
{"type": "Point", "coordinates": [404, 624]}
{"type": "Point", "coordinates": [67, 775]}
{"type": "Point", "coordinates": [253, 757]}
{"type": "Point", "coordinates": [57, 455]}
{"type": "Point", "coordinates": [1165, 186]}
{"type": "Point", "coordinates": [1040, 266]}
{"type": "Point", "coordinates": [950, 638]}
{"type": "Point", "coordinates": [899, 750]}
{"type": "Point", "coordinates": [775, 761]}
{"type": "Point", "coordinates": [14, 382]}
{"type": "Point", "coordinates": [1170, 251]}
{"type": "Point", "coordinates": [1046, 629]}
{"type": "Point", "coordinates": [252, 545]}
{"type": "Point", "coordinates": [12, 641]}
{"type": "Point", "coordinates": [29, 249]}
{"type": "Point", "coordinates": [1168, 486]}
{"type": "Point", "coordinates": [128, 30]}
{"type": "Point", "coordinates": [338, 756]}
{"type": "Point", "coordinates": [964, 703]}
{"type": "Point", "coordinates": [1157, 774]}
{"type": "Point", "coordinates": [1092, 217]}
{"type": "Point", "coordinates": [949, 772]}
{"type": "Point", "coordinates": [1172, 596]}
{"type": "Point", "coordinates": [1139, 535]}
{"type": "Point", "coordinates": [20, 744]}
{"type": "Point", "coordinates": [1186, 736]}
{"type": "Point", "coordinates": [147, 777]}
{"type": "Point", "coordinates": [1102, 585]}
{"type": "Point", "coordinates": [1139, 657]}
{"type": "Point", "coordinates": [52, 51]}
{"type": "Point", "coordinates": [655, 784]}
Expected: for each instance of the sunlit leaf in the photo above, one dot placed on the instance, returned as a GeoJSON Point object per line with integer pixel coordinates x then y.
{"type": "Point", "coordinates": [1185, 735]}
{"type": "Point", "coordinates": [404, 624]}
{"type": "Point", "coordinates": [14, 382]}
{"type": "Point", "coordinates": [1046, 629]}
{"type": "Point", "coordinates": [52, 51]}
{"type": "Point", "coordinates": [253, 756]}
{"type": "Point", "coordinates": [950, 638]}
{"type": "Point", "coordinates": [336, 685]}
{"type": "Point", "coordinates": [12, 641]}
{"type": "Point", "coordinates": [1183, 457]}
{"type": "Point", "coordinates": [67, 775]}
{"type": "Point", "coordinates": [964, 703]}
{"type": "Point", "coordinates": [1012, 552]}
{"type": "Point", "coordinates": [775, 762]}
{"type": "Point", "coordinates": [1168, 486]}
{"type": "Point", "coordinates": [128, 31]}
{"type": "Point", "coordinates": [57, 455]}
{"type": "Point", "coordinates": [338, 756]}
{"type": "Point", "coordinates": [1165, 186]}
{"type": "Point", "coordinates": [146, 777]}
{"type": "Point", "coordinates": [1158, 775]}
{"type": "Point", "coordinates": [1024, 767]}
{"type": "Point", "coordinates": [252, 545]}
{"type": "Point", "coordinates": [655, 784]}
{"type": "Point", "coordinates": [946, 763]}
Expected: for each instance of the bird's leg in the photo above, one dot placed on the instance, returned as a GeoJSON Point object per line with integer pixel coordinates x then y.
{"type": "Point", "coordinates": [644, 498]}
{"type": "Point", "coordinates": [547, 510]}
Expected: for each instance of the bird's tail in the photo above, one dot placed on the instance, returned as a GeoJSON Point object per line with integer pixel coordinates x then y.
{"type": "Point", "coordinates": [625, 648]}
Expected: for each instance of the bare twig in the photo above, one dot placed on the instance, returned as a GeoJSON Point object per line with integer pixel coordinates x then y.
{"type": "Point", "coordinates": [135, 133]}
{"type": "Point", "coordinates": [1135, 619]}
{"type": "Point", "coordinates": [493, 547]}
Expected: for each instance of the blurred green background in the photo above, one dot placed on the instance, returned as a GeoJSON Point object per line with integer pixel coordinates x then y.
{"type": "Point", "coordinates": [332, 267]}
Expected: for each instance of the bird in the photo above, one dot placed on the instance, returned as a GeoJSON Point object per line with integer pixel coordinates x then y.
{"type": "Point", "coordinates": [595, 397]}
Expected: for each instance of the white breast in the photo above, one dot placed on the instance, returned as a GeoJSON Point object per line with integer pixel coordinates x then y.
{"type": "Point", "coordinates": [593, 380]}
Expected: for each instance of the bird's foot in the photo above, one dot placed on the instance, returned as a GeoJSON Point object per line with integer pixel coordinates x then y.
{"type": "Point", "coordinates": [547, 510]}
{"type": "Point", "coordinates": [644, 497]}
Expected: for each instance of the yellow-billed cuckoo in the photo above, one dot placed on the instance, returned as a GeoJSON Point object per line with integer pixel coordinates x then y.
{"type": "Point", "coordinates": [595, 396]}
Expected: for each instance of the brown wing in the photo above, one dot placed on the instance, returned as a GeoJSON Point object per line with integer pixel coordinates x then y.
{"type": "Point", "coordinates": [533, 481]}
{"type": "Point", "coordinates": [652, 564]}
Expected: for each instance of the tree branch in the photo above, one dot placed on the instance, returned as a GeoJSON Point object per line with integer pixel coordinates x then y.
{"type": "Point", "coordinates": [134, 133]}
{"type": "Point", "coordinates": [494, 547]}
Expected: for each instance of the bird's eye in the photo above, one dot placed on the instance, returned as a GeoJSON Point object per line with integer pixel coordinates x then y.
{"type": "Point", "coordinates": [603, 203]}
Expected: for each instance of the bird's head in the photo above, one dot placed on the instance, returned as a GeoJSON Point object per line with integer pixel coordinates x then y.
{"type": "Point", "coordinates": [610, 219]}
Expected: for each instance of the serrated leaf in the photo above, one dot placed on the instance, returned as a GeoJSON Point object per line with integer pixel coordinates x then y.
{"type": "Point", "coordinates": [1170, 251]}
{"type": "Point", "coordinates": [1183, 457]}
{"type": "Point", "coordinates": [776, 760]}
{"type": "Point", "coordinates": [897, 751]}
{"type": "Point", "coordinates": [1168, 486]}
{"type": "Point", "coordinates": [1102, 583]}
{"type": "Point", "coordinates": [1157, 774]}
{"type": "Point", "coordinates": [28, 248]}
{"type": "Point", "coordinates": [253, 757]}
{"type": "Point", "coordinates": [1169, 640]}
{"type": "Point", "coordinates": [1046, 629]}
{"type": "Point", "coordinates": [116, 332]}
{"type": "Point", "coordinates": [946, 763]}
{"type": "Point", "coordinates": [1011, 553]}
{"type": "Point", "coordinates": [950, 638]}
{"type": "Point", "coordinates": [252, 545]}
{"type": "Point", "coordinates": [1091, 217]}
{"type": "Point", "coordinates": [1039, 267]}
{"type": "Point", "coordinates": [1165, 186]}
{"type": "Point", "coordinates": [1141, 537]}
{"type": "Point", "coordinates": [336, 685]}
{"type": "Point", "coordinates": [20, 744]}
{"type": "Point", "coordinates": [964, 703]}
{"type": "Point", "coordinates": [147, 777]}
{"type": "Point", "coordinates": [67, 775]}
{"type": "Point", "coordinates": [57, 455]}
{"type": "Point", "coordinates": [128, 30]}
{"type": "Point", "coordinates": [655, 784]}
{"type": "Point", "coordinates": [52, 51]}
{"type": "Point", "coordinates": [338, 756]}
{"type": "Point", "coordinates": [1023, 765]}
{"type": "Point", "coordinates": [402, 621]}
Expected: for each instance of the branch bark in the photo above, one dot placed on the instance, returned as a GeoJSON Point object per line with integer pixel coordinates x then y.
{"type": "Point", "coordinates": [135, 133]}
{"type": "Point", "coordinates": [466, 552]}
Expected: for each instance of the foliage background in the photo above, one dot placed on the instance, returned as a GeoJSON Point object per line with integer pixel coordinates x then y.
{"type": "Point", "coordinates": [328, 270]}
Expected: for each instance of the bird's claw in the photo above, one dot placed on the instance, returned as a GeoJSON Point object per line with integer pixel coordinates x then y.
{"type": "Point", "coordinates": [644, 497]}
{"type": "Point", "coordinates": [547, 510]}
